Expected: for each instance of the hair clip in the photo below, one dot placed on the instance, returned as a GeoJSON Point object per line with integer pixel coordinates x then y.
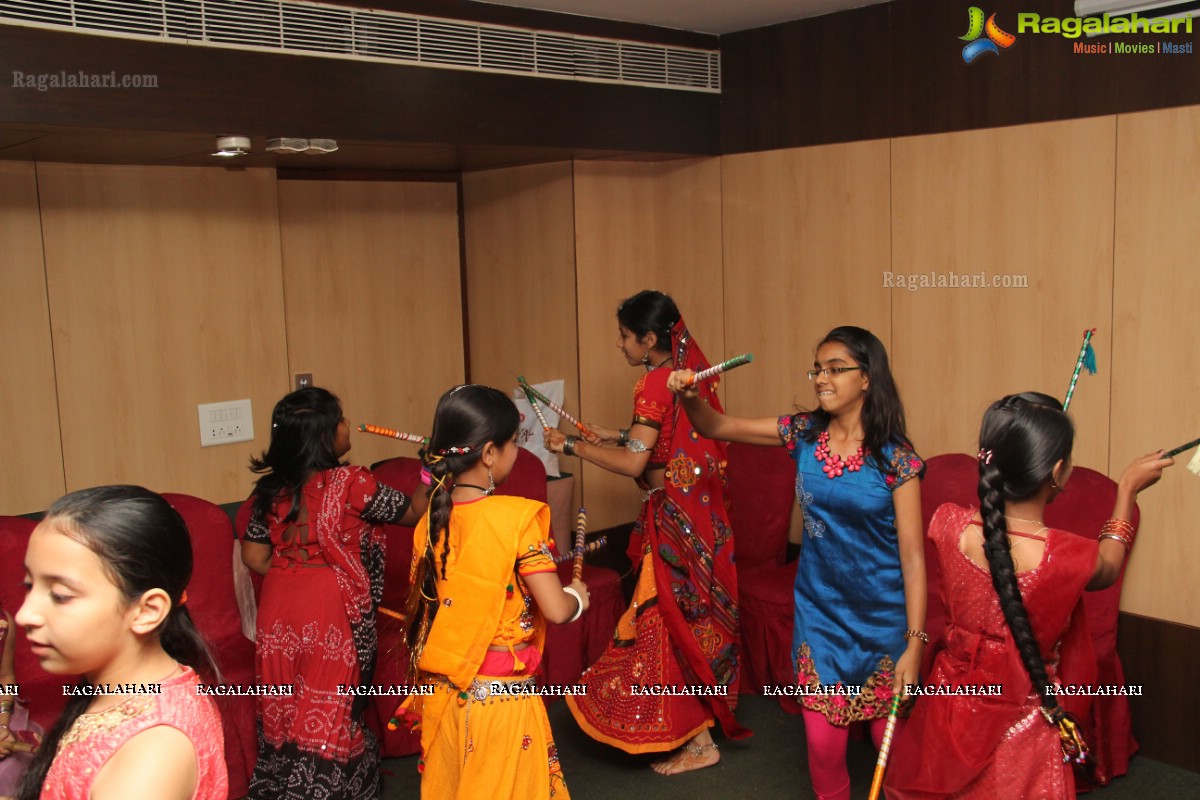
{"type": "Point", "coordinates": [455, 451]}
{"type": "Point", "coordinates": [274, 424]}
{"type": "Point", "coordinates": [985, 456]}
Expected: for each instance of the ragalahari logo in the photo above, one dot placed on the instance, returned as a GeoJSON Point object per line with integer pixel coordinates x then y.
{"type": "Point", "coordinates": [996, 38]}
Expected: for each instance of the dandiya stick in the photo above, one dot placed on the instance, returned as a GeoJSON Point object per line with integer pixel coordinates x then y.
{"type": "Point", "coordinates": [1193, 465]}
{"type": "Point", "coordinates": [884, 748]}
{"type": "Point", "coordinates": [590, 547]}
{"type": "Point", "coordinates": [557, 409]}
{"type": "Point", "coordinates": [379, 430]}
{"type": "Point", "coordinates": [1084, 352]}
{"type": "Point", "coordinates": [533, 402]}
{"type": "Point", "coordinates": [705, 374]}
{"type": "Point", "coordinates": [1181, 448]}
{"type": "Point", "coordinates": [580, 533]}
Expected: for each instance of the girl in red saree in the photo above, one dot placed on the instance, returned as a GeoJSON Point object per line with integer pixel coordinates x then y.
{"type": "Point", "coordinates": [312, 536]}
{"type": "Point", "coordinates": [681, 630]}
{"type": "Point", "coordinates": [1014, 592]}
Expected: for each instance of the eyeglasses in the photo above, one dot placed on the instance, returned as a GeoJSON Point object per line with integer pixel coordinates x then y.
{"type": "Point", "coordinates": [828, 371]}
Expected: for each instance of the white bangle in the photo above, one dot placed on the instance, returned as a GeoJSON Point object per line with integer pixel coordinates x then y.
{"type": "Point", "coordinates": [578, 601]}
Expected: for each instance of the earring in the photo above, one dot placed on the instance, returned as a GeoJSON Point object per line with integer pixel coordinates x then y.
{"type": "Point", "coordinates": [488, 492]}
{"type": "Point", "coordinates": [646, 358]}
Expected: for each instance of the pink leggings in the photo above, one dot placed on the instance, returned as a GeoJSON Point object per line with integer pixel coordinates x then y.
{"type": "Point", "coordinates": [827, 753]}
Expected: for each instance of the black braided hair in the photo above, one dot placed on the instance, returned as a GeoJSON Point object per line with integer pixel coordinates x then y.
{"type": "Point", "coordinates": [467, 418]}
{"type": "Point", "coordinates": [1026, 434]}
{"type": "Point", "coordinates": [303, 435]}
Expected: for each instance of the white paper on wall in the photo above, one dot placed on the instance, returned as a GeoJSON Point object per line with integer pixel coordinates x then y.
{"type": "Point", "coordinates": [530, 434]}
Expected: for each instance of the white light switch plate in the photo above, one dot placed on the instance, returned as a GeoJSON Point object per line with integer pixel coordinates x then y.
{"type": "Point", "coordinates": [225, 423]}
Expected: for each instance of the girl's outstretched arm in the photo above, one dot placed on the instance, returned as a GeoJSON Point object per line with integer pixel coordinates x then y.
{"type": "Point", "coordinates": [1143, 473]}
{"type": "Point", "coordinates": [712, 424]}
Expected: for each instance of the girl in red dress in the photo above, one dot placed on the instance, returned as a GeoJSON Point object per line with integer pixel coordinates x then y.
{"type": "Point", "coordinates": [1013, 591]}
{"type": "Point", "coordinates": [312, 536]}
{"type": "Point", "coordinates": [105, 577]}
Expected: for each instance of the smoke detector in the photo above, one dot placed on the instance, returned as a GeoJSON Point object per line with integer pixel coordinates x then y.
{"type": "Point", "coordinates": [230, 146]}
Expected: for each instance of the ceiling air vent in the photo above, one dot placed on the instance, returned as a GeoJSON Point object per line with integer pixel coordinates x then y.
{"type": "Point", "coordinates": [315, 29]}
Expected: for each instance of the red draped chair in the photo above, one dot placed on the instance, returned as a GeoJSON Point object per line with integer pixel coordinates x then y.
{"type": "Point", "coordinates": [213, 606]}
{"type": "Point", "coordinates": [570, 648]}
{"type": "Point", "coordinates": [1085, 503]}
{"type": "Point", "coordinates": [1081, 508]}
{"type": "Point", "coordinates": [40, 689]}
{"type": "Point", "coordinates": [761, 493]}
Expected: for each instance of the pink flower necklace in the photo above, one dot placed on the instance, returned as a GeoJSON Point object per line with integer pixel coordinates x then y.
{"type": "Point", "coordinates": [834, 465]}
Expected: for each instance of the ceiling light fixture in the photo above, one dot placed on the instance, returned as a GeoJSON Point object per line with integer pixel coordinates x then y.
{"type": "Point", "coordinates": [230, 146]}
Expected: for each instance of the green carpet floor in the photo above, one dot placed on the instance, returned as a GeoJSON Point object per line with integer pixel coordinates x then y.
{"type": "Point", "coordinates": [771, 764]}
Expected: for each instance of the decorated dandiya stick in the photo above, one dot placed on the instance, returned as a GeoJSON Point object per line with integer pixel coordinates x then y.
{"type": "Point", "coordinates": [379, 430]}
{"type": "Point", "coordinates": [1087, 358]}
{"type": "Point", "coordinates": [884, 748]}
{"type": "Point", "coordinates": [533, 402]}
{"type": "Point", "coordinates": [557, 409]}
{"type": "Point", "coordinates": [580, 533]}
{"type": "Point", "coordinates": [590, 547]}
{"type": "Point", "coordinates": [705, 374]}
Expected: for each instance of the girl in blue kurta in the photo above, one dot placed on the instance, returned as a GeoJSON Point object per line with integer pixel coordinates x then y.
{"type": "Point", "coordinates": [860, 584]}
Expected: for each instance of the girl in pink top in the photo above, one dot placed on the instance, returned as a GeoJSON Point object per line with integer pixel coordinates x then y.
{"type": "Point", "coordinates": [105, 579]}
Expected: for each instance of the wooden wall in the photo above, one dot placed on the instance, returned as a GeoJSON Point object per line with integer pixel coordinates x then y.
{"type": "Point", "coordinates": [373, 297]}
{"type": "Point", "coordinates": [1004, 202]}
{"type": "Point", "coordinates": [164, 288]}
{"type": "Point", "coordinates": [806, 235]}
{"type": "Point", "coordinates": [161, 288]}
{"type": "Point", "coordinates": [33, 466]}
{"type": "Point", "coordinates": [1156, 349]}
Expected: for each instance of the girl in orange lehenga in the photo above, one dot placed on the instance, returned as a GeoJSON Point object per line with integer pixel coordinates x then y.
{"type": "Point", "coordinates": [483, 584]}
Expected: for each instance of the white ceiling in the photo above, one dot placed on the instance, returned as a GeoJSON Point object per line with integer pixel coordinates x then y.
{"type": "Point", "coordinates": [705, 16]}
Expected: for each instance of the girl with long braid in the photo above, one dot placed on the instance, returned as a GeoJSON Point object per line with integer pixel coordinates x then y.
{"type": "Point", "coordinates": [1013, 591]}
{"type": "Point", "coordinates": [483, 585]}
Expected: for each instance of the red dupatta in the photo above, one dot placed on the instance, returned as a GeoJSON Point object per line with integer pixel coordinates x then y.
{"type": "Point", "coordinates": [694, 555]}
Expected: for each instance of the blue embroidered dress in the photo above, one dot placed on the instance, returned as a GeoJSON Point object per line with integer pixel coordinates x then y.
{"type": "Point", "coordinates": [850, 619]}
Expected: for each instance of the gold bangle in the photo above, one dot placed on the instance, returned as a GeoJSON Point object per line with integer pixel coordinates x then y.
{"type": "Point", "coordinates": [1117, 537]}
{"type": "Point", "coordinates": [922, 635]}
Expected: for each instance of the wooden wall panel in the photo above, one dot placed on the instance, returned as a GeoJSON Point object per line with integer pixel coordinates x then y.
{"type": "Point", "coordinates": [806, 238]}
{"type": "Point", "coordinates": [374, 304]}
{"type": "Point", "coordinates": [640, 226]}
{"type": "Point", "coordinates": [164, 290]}
{"type": "Point", "coordinates": [32, 476]}
{"type": "Point", "coordinates": [520, 244]}
{"type": "Point", "coordinates": [1036, 201]}
{"type": "Point", "coordinates": [1156, 352]}
{"type": "Point", "coordinates": [519, 227]}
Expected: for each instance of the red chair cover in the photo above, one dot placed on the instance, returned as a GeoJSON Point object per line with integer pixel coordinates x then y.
{"type": "Point", "coordinates": [41, 690]}
{"type": "Point", "coordinates": [761, 493]}
{"type": "Point", "coordinates": [1082, 508]}
{"type": "Point", "coordinates": [213, 606]}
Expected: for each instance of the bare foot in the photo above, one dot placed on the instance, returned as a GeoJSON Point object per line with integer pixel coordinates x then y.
{"type": "Point", "coordinates": [691, 756]}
